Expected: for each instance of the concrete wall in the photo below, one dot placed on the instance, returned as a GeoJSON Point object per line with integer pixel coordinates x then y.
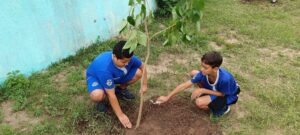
{"type": "Point", "coordinates": [35, 33]}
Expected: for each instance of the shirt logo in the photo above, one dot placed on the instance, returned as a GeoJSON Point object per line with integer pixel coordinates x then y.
{"type": "Point", "coordinates": [94, 84]}
{"type": "Point", "coordinates": [109, 82]}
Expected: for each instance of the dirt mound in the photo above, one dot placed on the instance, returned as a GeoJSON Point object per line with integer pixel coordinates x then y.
{"type": "Point", "coordinates": [177, 117]}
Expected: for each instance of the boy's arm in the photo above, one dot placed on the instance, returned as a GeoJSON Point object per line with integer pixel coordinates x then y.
{"type": "Point", "coordinates": [178, 89]}
{"type": "Point", "coordinates": [211, 92]}
{"type": "Point", "coordinates": [117, 109]}
{"type": "Point", "coordinates": [145, 80]}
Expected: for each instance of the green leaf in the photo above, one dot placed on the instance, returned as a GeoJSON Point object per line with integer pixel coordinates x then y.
{"type": "Point", "coordinates": [130, 44]}
{"type": "Point", "coordinates": [198, 25]}
{"type": "Point", "coordinates": [178, 11]}
{"type": "Point", "coordinates": [133, 47]}
{"type": "Point", "coordinates": [174, 14]}
{"type": "Point", "coordinates": [166, 42]}
{"type": "Point", "coordinates": [131, 2]}
{"type": "Point", "coordinates": [127, 45]}
{"type": "Point", "coordinates": [188, 37]}
{"type": "Point", "coordinates": [123, 26]}
{"type": "Point", "coordinates": [143, 10]}
{"type": "Point", "coordinates": [138, 20]}
{"type": "Point", "coordinates": [179, 26]}
{"type": "Point", "coordinates": [172, 39]}
{"type": "Point", "coordinates": [198, 4]}
{"type": "Point", "coordinates": [132, 12]}
{"type": "Point", "coordinates": [196, 16]}
{"type": "Point", "coordinates": [131, 20]}
{"type": "Point", "coordinates": [139, 1]}
{"type": "Point", "coordinates": [141, 38]}
{"type": "Point", "coordinates": [132, 40]}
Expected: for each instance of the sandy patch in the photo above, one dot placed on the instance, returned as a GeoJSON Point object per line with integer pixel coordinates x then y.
{"type": "Point", "coordinates": [166, 60]}
{"type": "Point", "coordinates": [18, 120]}
{"type": "Point", "coordinates": [215, 46]}
{"type": "Point", "coordinates": [229, 37]}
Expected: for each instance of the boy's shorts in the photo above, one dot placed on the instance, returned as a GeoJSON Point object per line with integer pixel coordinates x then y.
{"type": "Point", "coordinates": [93, 83]}
{"type": "Point", "coordinates": [217, 103]}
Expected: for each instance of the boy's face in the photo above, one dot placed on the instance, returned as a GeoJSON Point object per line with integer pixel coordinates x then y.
{"type": "Point", "coordinates": [206, 69]}
{"type": "Point", "coordinates": [121, 62]}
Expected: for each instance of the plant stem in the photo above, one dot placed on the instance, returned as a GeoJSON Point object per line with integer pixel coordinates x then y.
{"type": "Point", "coordinates": [159, 32]}
{"type": "Point", "coordinates": [145, 63]}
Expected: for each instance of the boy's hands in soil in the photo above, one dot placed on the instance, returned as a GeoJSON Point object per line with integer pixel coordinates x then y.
{"type": "Point", "coordinates": [162, 99]}
{"type": "Point", "coordinates": [196, 93]}
{"type": "Point", "coordinates": [125, 121]}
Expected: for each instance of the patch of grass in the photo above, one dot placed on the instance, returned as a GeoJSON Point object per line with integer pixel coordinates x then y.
{"type": "Point", "coordinates": [48, 127]}
{"type": "Point", "coordinates": [52, 92]}
{"type": "Point", "coordinates": [1, 115]}
{"type": "Point", "coordinates": [7, 130]}
{"type": "Point", "coordinates": [14, 88]}
{"type": "Point", "coordinates": [272, 80]}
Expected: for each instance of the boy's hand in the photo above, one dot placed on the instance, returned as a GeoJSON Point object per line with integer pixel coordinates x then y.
{"type": "Point", "coordinates": [125, 121]}
{"type": "Point", "coordinates": [143, 89]}
{"type": "Point", "coordinates": [196, 93]}
{"type": "Point", "coordinates": [162, 99]}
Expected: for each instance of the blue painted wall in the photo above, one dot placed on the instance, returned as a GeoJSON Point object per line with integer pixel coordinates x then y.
{"type": "Point", "coordinates": [35, 33]}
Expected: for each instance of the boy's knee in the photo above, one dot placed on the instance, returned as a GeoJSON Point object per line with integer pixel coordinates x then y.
{"type": "Point", "coordinates": [97, 95]}
{"type": "Point", "coordinates": [199, 103]}
{"type": "Point", "coordinates": [194, 72]}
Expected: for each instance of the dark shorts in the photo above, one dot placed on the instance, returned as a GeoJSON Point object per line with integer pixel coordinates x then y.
{"type": "Point", "coordinates": [93, 83]}
{"type": "Point", "coordinates": [218, 103]}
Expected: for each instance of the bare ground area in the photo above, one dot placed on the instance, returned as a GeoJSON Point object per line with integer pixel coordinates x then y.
{"type": "Point", "coordinates": [177, 117]}
{"type": "Point", "coordinates": [19, 120]}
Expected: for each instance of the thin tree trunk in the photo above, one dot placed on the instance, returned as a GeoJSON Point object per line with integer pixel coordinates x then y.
{"type": "Point", "coordinates": [145, 63]}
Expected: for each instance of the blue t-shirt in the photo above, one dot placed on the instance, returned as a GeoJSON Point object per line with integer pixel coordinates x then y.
{"type": "Point", "coordinates": [107, 73]}
{"type": "Point", "coordinates": [225, 83]}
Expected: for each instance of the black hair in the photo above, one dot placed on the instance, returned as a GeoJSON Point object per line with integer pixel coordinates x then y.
{"type": "Point", "coordinates": [121, 53]}
{"type": "Point", "coordinates": [213, 58]}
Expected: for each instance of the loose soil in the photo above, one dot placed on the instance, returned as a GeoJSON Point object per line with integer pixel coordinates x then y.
{"type": "Point", "coordinates": [177, 117]}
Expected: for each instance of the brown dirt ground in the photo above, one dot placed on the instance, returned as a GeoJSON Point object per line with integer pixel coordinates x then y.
{"type": "Point", "coordinates": [177, 117]}
{"type": "Point", "coordinates": [19, 120]}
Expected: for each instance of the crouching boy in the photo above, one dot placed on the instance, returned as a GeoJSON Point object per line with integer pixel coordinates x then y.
{"type": "Point", "coordinates": [217, 88]}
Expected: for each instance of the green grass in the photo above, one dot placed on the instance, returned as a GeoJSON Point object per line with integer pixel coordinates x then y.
{"type": "Point", "coordinates": [265, 61]}
{"type": "Point", "coordinates": [272, 80]}
{"type": "Point", "coordinates": [7, 130]}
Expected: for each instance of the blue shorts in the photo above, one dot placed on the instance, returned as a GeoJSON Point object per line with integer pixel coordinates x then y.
{"type": "Point", "coordinates": [93, 83]}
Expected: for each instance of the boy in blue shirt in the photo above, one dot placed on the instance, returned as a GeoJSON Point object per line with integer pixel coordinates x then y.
{"type": "Point", "coordinates": [111, 68]}
{"type": "Point", "coordinates": [217, 87]}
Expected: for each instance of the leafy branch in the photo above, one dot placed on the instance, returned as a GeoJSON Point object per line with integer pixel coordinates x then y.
{"type": "Point", "coordinates": [185, 14]}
